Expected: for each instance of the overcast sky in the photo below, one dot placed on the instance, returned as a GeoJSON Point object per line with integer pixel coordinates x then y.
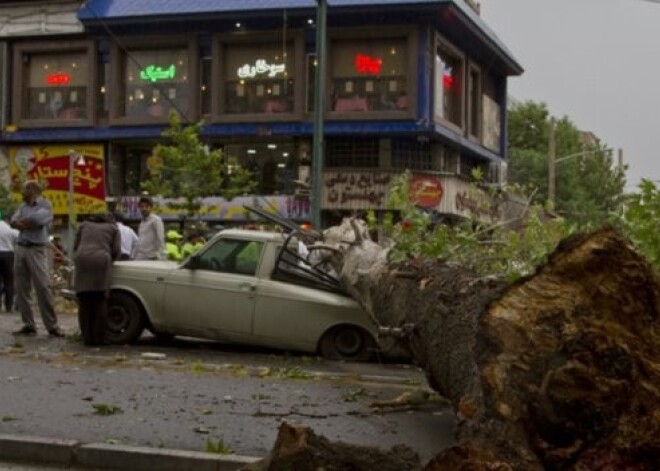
{"type": "Point", "coordinates": [595, 61]}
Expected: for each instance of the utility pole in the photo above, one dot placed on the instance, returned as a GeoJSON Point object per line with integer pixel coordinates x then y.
{"type": "Point", "coordinates": [551, 164]}
{"type": "Point", "coordinates": [319, 108]}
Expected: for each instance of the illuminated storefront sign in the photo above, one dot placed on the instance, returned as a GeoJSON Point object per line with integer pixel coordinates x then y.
{"type": "Point", "coordinates": [365, 64]}
{"type": "Point", "coordinates": [155, 73]}
{"type": "Point", "coordinates": [50, 165]}
{"type": "Point", "coordinates": [447, 76]}
{"type": "Point", "coordinates": [260, 67]}
{"type": "Point", "coordinates": [58, 79]}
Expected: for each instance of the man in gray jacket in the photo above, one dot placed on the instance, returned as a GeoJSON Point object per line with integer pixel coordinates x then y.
{"type": "Point", "coordinates": [32, 219]}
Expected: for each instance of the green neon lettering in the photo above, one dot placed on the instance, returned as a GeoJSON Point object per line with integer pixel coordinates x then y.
{"type": "Point", "coordinates": [155, 73]}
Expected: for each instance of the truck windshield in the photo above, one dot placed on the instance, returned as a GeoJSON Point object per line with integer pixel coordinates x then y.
{"type": "Point", "coordinates": [232, 256]}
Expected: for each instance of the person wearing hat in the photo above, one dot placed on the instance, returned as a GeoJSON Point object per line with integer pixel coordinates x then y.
{"type": "Point", "coordinates": [172, 245]}
{"type": "Point", "coordinates": [151, 233]}
{"type": "Point", "coordinates": [193, 243]}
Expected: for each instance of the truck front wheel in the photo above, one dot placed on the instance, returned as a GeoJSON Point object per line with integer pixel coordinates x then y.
{"type": "Point", "coordinates": [125, 321]}
{"type": "Point", "coordinates": [347, 342]}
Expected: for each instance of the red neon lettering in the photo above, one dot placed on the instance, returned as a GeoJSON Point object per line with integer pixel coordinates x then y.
{"type": "Point", "coordinates": [365, 64]}
{"type": "Point", "coordinates": [58, 79]}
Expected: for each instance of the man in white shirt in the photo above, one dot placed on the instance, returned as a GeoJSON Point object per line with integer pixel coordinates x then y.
{"type": "Point", "coordinates": [151, 233]}
{"type": "Point", "coordinates": [8, 237]}
{"type": "Point", "coordinates": [129, 239]}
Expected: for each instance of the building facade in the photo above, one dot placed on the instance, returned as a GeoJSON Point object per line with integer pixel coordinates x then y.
{"type": "Point", "coordinates": [410, 85]}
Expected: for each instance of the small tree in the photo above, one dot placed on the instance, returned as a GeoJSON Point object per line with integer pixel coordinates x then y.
{"type": "Point", "coordinates": [7, 203]}
{"type": "Point", "coordinates": [184, 167]}
{"type": "Point", "coordinates": [641, 220]}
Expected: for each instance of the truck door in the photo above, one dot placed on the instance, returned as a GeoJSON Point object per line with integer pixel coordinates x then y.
{"type": "Point", "coordinates": [217, 297]}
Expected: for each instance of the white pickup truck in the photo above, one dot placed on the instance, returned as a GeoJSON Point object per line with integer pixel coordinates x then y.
{"type": "Point", "coordinates": [243, 286]}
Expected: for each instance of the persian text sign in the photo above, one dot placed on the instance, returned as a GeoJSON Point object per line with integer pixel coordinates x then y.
{"type": "Point", "coordinates": [216, 208]}
{"type": "Point", "coordinates": [50, 166]}
{"type": "Point", "coordinates": [355, 189]}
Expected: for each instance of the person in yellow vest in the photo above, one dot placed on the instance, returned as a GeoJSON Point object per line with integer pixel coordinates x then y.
{"type": "Point", "coordinates": [193, 243]}
{"type": "Point", "coordinates": [172, 249]}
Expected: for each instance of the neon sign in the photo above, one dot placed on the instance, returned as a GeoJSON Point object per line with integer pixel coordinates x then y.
{"type": "Point", "coordinates": [260, 67]}
{"type": "Point", "coordinates": [365, 64]}
{"type": "Point", "coordinates": [155, 73]}
{"type": "Point", "coordinates": [447, 77]}
{"type": "Point", "coordinates": [58, 79]}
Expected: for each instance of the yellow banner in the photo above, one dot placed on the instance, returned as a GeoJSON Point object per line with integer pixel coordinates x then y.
{"type": "Point", "coordinates": [51, 165]}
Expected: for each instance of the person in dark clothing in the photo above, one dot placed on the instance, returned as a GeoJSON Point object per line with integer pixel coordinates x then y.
{"type": "Point", "coordinates": [96, 246]}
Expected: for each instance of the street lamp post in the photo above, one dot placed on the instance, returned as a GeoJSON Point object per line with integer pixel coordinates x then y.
{"type": "Point", "coordinates": [319, 105]}
{"type": "Point", "coordinates": [77, 159]}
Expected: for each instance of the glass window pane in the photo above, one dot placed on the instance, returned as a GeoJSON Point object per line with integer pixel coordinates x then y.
{"type": "Point", "coordinates": [259, 78]}
{"type": "Point", "coordinates": [273, 165]}
{"type": "Point", "coordinates": [56, 86]}
{"type": "Point", "coordinates": [369, 75]}
{"type": "Point", "coordinates": [205, 88]}
{"type": "Point", "coordinates": [449, 86]}
{"type": "Point", "coordinates": [156, 81]}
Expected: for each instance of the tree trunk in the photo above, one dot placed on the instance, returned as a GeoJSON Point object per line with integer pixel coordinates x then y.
{"type": "Point", "coordinates": [557, 371]}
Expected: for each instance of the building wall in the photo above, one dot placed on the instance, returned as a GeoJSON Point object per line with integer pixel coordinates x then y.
{"type": "Point", "coordinates": [401, 97]}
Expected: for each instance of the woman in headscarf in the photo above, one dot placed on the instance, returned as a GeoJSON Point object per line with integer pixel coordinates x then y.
{"type": "Point", "coordinates": [96, 246]}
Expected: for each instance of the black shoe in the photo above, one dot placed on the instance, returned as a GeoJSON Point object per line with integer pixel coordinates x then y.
{"type": "Point", "coordinates": [26, 330]}
{"type": "Point", "coordinates": [56, 332]}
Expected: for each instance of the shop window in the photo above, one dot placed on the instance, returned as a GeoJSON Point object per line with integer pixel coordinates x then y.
{"type": "Point", "coordinates": [273, 165]}
{"type": "Point", "coordinates": [205, 87]}
{"type": "Point", "coordinates": [102, 98]}
{"type": "Point", "coordinates": [492, 115]}
{"type": "Point", "coordinates": [53, 85]}
{"type": "Point", "coordinates": [258, 78]}
{"type": "Point", "coordinates": [448, 85]}
{"type": "Point", "coordinates": [411, 154]}
{"type": "Point", "coordinates": [369, 75]}
{"type": "Point", "coordinates": [127, 169]}
{"type": "Point", "coordinates": [474, 102]}
{"type": "Point", "coordinates": [311, 82]}
{"type": "Point", "coordinates": [154, 81]}
{"type": "Point", "coordinates": [360, 153]}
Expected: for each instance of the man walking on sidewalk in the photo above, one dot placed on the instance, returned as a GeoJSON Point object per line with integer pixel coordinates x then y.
{"type": "Point", "coordinates": [151, 233]}
{"type": "Point", "coordinates": [8, 237]}
{"type": "Point", "coordinates": [32, 219]}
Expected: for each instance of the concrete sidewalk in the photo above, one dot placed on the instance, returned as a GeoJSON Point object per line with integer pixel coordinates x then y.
{"type": "Point", "coordinates": [100, 455]}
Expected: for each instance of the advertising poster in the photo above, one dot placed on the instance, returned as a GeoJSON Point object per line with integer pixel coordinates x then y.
{"type": "Point", "coordinates": [50, 165]}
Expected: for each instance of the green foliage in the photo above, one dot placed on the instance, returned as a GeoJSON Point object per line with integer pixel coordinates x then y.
{"type": "Point", "coordinates": [353, 394]}
{"type": "Point", "coordinates": [106, 409]}
{"type": "Point", "coordinates": [185, 167]}
{"type": "Point", "coordinates": [219, 447]}
{"type": "Point", "coordinates": [641, 220]}
{"type": "Point", "coordinates": [7, 204]}
{"type": "Point", "coordinates": [589, 188]}
{"type": "Point", "coordinates": [508, 249]}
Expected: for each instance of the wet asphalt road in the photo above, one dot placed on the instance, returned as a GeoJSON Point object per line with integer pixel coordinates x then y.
{"type": "Point", "coordinates": [195, 394]}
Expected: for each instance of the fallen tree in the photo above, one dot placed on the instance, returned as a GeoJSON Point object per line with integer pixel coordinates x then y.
{"type": "Point", "coordinates": [559, 370]}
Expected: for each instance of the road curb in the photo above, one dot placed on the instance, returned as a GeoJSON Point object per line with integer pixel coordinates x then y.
{"type": "Point", "coordinates": [103, 455]}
